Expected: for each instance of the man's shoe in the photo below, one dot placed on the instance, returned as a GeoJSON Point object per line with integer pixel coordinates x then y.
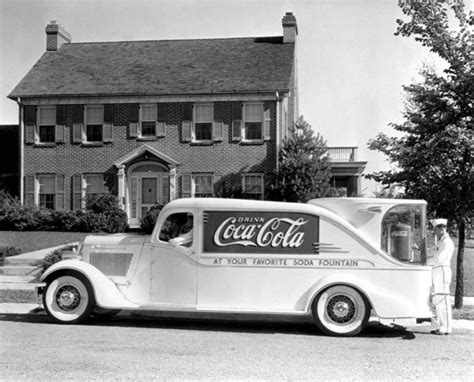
{"type": "Point", "coordinates": [435, 332]}
{"type": "Point", "coordinates": [438, 333]}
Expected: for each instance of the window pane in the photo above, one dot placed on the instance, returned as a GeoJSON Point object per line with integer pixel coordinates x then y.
{"type": "Point", "coordinates": [203, 185]}
{"type": "Point", "coordinates": [95, 184]}
{"type": "Point", "coordinates": [253, 112]}
{"type": "Point", "coordinates": [253, 184]}
{"type": "Point", "coordinates": [203, 131]}
{"type": "Point", "coordinates": [253, 130]}
{"type": "Point", "coordinates": [46, 133]}
{"type": "Point", "coordinates": [204, 113]}
{"type": "Point", "coordinates": [149, 128]}
{"type": "Point", "coordinates": [47, 184]}
{"type": "Point", "coordinates": [95, 115]}
{"type": "Point", "coordinates": [148, 112]}
{"type": "Point", "coordinates": [94, 133]}
{"type": "Point", "coordinates": [47, 200]}
{"type": "Point", "coordinates": [47, 116]}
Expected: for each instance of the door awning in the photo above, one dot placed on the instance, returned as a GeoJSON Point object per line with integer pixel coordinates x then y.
{"type": "Point", "coordinates": [142, 150]}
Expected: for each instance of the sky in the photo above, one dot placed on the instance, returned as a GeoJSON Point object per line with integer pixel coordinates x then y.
{"type": "Point", "coordinates": [351, 67]}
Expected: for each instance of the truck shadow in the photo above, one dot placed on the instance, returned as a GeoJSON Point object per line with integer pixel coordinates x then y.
{"type": "Point", "coordinates": [243, 325]}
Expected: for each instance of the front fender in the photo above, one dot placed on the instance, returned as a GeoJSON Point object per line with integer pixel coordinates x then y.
{"type": "Point", "coordinates": [106, 293]}
{"type": "Point", "coordinates": [386, 303]}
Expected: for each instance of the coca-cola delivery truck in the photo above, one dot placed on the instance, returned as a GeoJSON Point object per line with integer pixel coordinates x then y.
{"type": "Point", "coordinates": [331, 260]}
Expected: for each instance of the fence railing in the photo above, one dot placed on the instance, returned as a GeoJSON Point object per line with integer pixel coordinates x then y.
{"type": "Point", "coordinates": [342, 154]}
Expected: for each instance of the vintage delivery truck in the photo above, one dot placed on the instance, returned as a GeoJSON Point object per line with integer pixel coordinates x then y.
{"type": "Point", "coordinates": [332, 260]}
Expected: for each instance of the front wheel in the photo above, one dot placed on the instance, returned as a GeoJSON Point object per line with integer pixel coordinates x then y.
{"type": "Point", "coordinates": [68, 298]}
{"type": "Point", "coordinates": [340, 311]}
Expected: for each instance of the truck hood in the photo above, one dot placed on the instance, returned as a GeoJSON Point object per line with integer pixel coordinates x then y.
{"type": "Point", "coordinates": [117, 239]}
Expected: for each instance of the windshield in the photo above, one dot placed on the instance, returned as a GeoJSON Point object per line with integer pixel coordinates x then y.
{"type": "Point", "coordinates": [404, 233]}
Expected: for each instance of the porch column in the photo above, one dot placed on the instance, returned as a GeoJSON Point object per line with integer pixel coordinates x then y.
{"type": "Point", "coordinates": [173, 183]}
{"type": "Point", "coordinates": [121, 186]}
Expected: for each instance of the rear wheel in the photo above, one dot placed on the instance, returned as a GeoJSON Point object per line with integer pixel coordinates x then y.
{"type": "Point", "coordinates": [340, 311]}
{"type": "Point", "coordinates": [68, 298]}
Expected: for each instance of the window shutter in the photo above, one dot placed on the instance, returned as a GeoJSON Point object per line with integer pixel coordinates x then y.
{"type": "Point", "coordinates": [77, 192]}
{"type": "Point", "coordinates": [186, 185]}
{"type": "Point", "coordinates": [107, 134]}
{"type": "Point", "coordinates": [30, 115]}
{"type": "Point", "coordinates": [166, 189]}
{"type": "Point", "coordinates": [161, 119]}
{"type": "Point", "coordinates": [30, 190]}
{"type": "Point", "coordinates": [187, 130]}
{"type": "Point", "coordinates": [30, 134]}
{"type": "Point", "coordinates": [215, 186]}
{"type": "Point", "coordinates": [77, 132]}
{"type": "Point", "coordinates": [60, 133]}
{"type": "Point", "coordinates": [77, 123]}
{"type": "Point", "coordinates": [160, 129]}
{"type": "Point", "coordinates": [218, 121]}
{"type": "Point", "coordinates": [236, 121]}
{"type": "Point", "coordinates": [134, 118]}
{"type": "Point", "coordinates": [60, 115]}
{"type": "Point", "coordinates": [266, 122]}
{"type": "Point", "coordinates": [59, 192]}
{"type": "Point", "coordinates": [109, 114]}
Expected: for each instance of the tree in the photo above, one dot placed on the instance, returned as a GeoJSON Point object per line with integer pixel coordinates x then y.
{"type": "Point", "coordinates": [304, 170]}
{"type": "Point", "coordinates": [433, 157]}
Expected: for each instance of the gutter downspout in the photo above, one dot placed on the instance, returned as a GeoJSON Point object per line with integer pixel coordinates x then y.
{"type": "Point", "coordinates": [22, 149]}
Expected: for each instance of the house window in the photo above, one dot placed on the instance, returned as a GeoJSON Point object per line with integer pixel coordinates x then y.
{"type": "Point", "coordinates": [252, 186]}
{"type": "Point", "coordinates": [203, 117]}
{"type": "Point", "coordinates": [95, 185]}
{"type": "Point", "coordinates": [203, 185]}
{"type": "Point", "coordinates": [94, 122]}
{"type": "Point", "coordinates": [253, 121]}
{"type": "Point", "coordinates": [47, 124]}
{"type": "Point", "coordinates": [148, 120]}
{"type": "Point", "coordinates": [47, 191]}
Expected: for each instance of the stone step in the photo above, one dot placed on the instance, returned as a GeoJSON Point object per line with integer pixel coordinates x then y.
{"type": "Point", "coordinates": [4, 279]}
{"type": "Point", "coordinates": [15, 270]}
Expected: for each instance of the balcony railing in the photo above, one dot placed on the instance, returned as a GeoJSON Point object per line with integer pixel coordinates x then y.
{"type": "Point", "coordinates": [342, 154]}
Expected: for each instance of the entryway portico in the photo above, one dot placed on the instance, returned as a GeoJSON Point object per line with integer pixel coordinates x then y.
{"type": "Point", "coordinates": [146, 176]}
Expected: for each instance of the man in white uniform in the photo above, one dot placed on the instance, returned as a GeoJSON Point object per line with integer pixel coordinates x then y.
{"type": "Point", "coordinates": [441, 262]}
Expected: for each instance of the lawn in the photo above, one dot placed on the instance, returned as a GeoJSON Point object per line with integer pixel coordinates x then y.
{"type": "Point", "coordinates": [468, 269]}
{"type": "Point", "coordinates": [32, 241]}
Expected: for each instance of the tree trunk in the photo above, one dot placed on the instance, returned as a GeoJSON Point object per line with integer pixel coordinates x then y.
{"type": "Point", "coordinates": [459, 293]}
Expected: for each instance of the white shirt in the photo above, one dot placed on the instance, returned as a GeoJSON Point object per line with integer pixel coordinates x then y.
{"type": "Point", "coordinates": [443, 252]}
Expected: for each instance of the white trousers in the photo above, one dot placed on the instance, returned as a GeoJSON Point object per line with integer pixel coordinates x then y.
{"type": "Point", "coordinates": [441, 300]}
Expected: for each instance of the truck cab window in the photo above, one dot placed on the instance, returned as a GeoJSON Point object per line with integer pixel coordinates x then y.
{"type": "Point", "coordinates": [178, 229]}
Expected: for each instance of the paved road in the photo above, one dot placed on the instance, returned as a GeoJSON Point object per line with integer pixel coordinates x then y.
{"type": "Point", "coordinates": [132, 348]}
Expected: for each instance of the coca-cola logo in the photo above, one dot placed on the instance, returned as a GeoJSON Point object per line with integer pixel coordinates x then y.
{"type": "Point", "coordinates": [253, 232]}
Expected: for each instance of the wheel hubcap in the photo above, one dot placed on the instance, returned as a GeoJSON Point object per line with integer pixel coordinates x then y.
{"type": "Point", "coordinates": [341, 309]}
{"type": "Point", "coordinates": [68, 298]}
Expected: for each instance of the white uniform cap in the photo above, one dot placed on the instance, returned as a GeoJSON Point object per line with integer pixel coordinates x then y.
{"type": "Point", "coordinates": [436, 222]}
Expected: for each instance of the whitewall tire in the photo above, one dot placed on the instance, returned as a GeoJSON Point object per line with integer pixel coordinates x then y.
{"type": "Point", "coordinates": [340, 311]}
{"type": "Point", "coordinates": [68, 298]}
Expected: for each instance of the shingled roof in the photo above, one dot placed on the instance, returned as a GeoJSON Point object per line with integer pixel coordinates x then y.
{"type": "Point", "coordinates": [168, 67]}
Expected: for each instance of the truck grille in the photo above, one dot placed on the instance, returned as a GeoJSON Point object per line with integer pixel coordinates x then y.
{"type": "Point", "coordinates": [111, 264]}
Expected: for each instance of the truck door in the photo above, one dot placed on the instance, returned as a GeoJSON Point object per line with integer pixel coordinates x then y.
{"type": "Point", "coordinates": [173, 262]}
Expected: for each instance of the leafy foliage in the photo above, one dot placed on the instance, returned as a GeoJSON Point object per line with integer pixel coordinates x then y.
{"type": "Point", "coordinates": [147, 223]}
{"type": "Point", "coordinates": [433, 157]}
{"type": "Point", "coordinates": [304, 170]}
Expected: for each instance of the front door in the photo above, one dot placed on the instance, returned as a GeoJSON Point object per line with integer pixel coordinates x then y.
{"type": "Point", "coordinates": [145, 190]}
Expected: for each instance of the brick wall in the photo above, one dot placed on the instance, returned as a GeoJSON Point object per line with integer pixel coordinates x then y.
{"type": "Point", "coordinates": [223, 158]}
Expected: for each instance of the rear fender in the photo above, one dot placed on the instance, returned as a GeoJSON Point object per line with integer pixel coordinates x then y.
{"type": "Point", "coordinates": [385, 303]}
{"type": "Point", "coordinates": [105, 291]}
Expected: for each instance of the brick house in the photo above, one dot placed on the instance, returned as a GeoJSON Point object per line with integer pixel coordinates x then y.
{"type": "Point", "coordinates": [9, 159]}
{"type": "Point", "coordinates": [151, 121]}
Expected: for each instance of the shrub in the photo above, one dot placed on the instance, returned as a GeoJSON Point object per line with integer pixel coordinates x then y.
{"type": "Point", "coordinates": [65, 220]}
{"type": "Point", "coordinates": [147, 223]}
{"type": "Point", "coordinates": [56, 256]}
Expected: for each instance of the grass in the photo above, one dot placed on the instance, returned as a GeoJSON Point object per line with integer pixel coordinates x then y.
{"type": "Point", "coordinates": [468, 266]}
{"type": "Point", "coordinates": [28, 241]}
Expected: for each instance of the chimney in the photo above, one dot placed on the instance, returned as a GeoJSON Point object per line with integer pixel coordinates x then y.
{"type": "Point", "coordinates": [56, 36]}
{"type": "Point", "coordinates": [290, 29]}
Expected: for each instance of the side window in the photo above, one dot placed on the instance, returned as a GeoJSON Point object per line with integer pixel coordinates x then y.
{"type": "Point", "coordinates": [404, 234]}
{"type": "Point", "coordinates": [178, 229]}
